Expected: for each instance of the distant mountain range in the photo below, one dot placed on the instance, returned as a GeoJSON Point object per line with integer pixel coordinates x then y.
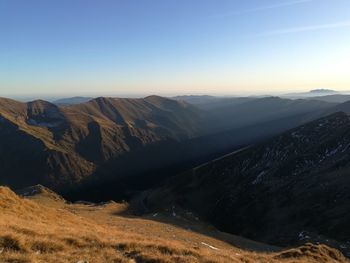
{"type": "Point", "coordinates": [312, 93]}
{"type": "Point", "coordinates": [109, 147]}
{"type": "Point", "coordinates": [211, 102]}
{"type": "Point", "coordinates": [336, 98]}
{"type": "Point", "coordinates": [72, 100]}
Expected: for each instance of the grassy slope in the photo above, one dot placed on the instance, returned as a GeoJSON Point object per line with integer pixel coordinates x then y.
{"type": "Point", "coordinates": [45, 229]}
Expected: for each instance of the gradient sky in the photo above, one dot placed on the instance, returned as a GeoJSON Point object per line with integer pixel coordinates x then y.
{"type": "Point", "coordinates": [80, 47]}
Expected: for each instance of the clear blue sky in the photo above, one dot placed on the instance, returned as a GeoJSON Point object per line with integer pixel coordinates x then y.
{"type": "Point", "coordinates": [173, 46]}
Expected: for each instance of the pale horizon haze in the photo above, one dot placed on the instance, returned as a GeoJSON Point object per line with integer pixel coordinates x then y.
{"type": "Point", "coordinates": [135, 48]}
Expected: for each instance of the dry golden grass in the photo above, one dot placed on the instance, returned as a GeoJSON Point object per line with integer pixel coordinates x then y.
{"type": "Point", "coordinates": [32, 232]}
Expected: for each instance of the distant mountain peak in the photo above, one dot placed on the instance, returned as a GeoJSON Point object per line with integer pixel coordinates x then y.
{"type": "Point", "coordinates": [326, 91]}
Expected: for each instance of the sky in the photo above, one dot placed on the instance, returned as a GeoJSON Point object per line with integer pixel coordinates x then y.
{"type": "Point", "coordinates": [168, 47]}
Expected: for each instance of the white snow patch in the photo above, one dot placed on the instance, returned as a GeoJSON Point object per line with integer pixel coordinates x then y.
{"type": "Point", "coordinates": [346, 147]}
{"type": "Point", "coordinates": [259, 178]}
{"type": "Point", "coordinates": [296, 135]}
{"type": "Point", "coordinates": [205, 244]}
{"type": "Point", "coordinates": [303, 235]}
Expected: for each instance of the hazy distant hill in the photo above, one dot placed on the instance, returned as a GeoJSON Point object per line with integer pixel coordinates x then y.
{"type": "Point", "coordinates": [238, 112]}
{"type": "Point", "coordinates": [211, 102]}
{"type": "Point", "coordinates": [198, 99]}
{"type": "Point", "coordinates": [311, 93]}
{"type": "Point", "coordinates": [72, 100]}
{"type": "Point", "coordinates": [336, 98]}
{"type": "Point", "coordinates": [259, 110]}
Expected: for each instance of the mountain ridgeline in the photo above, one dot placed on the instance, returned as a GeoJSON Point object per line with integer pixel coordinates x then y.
{"type": "Point", "coordinates": [110, 148]}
